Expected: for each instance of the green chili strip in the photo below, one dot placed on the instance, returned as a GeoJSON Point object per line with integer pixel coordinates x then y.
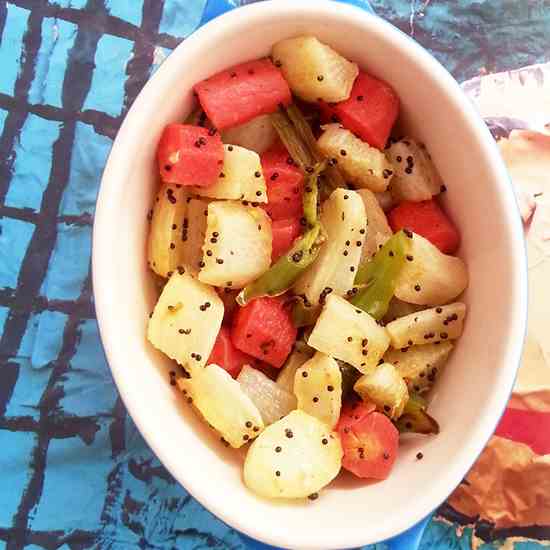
{"type": "Point", "coordinates": [286, 270]}
{"type": "Point", "coordinates": [380, 276]}
{"type": "Point", "coordinates": [415, 419]}
{"type": "Point", "coordinates": [304, 315]}
{"type": "Point", "coordinates": [296, 147]}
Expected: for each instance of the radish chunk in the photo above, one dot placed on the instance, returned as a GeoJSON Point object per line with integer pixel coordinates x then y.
{"type": "Point", "coordinates": [294, 458]}
{"type": "Point", "coordinates": [385, 388]}
{"type": "Point", "coordinates": [420, 365]}
{"type": "Point", "coordinates": [257, 135]}
{"type": "Point", "coordinates": [428, 326]}
{"type": "Point", "coordinates": [240, 178]}
{"type": "Point", "coordinates": [239, 94]}
{"type": "Point", "coordinates": [349, 334]}
{"type": "Point", "coordinates": [186, 321]}
{"type": "Point", "coordinates": [288, 372]}
{"type": "Point", "coordinates": [165, 245]}
{"type": "Point", "coordinates": [223, 404]}
{"type": "Point", "coordinates": [272, 401]}
{"type": "Point", "coordinates": [362, 164]}
{"type": "Point", "coordinates": [333, 272]}
{"type": "Point", "coordinates": [314, 70]}
{"type": "Point", "coordinates": [430, 277]}
{"type": "Point", "coordinates": [378, 230]}
{"type": "Point", "coordinates": [189, 155]}
{"type": "Point", "coordinates": [318, 387]}
{"type": "Point", "coordinates": [416, 177]}
{"type": "Point", "coordinates": [193, 234]}
{"type": "Point", "coordinates": [237, 247]}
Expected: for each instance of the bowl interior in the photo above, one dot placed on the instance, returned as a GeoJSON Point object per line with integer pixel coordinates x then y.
{"type": "Point", "coordinates": [473, 388]}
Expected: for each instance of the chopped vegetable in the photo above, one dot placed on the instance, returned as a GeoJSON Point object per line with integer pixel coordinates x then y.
{"type": "Point", "coordinates": [186, 321]}
{"type": "Point", "coordinates": [428, 326]}
{"type": "Point", "coordinates": [240, 178]}
{"type": "Point", "coordinates": [189, 155]}
{"type": "Point", "coordinates": [354, 411]}
{"type": "Point", "coordinates": [370, 445]}
{"type": "Point", "coordinates": [349, 334]}
{"type": "Point", "coordinates": [343, 218]}
{"type": "Point", "coordinates": [314, 70]}
{"type": "Point", "coordinates": [378, 230]}
{"type": "Point", "coordinates": [416, 178]}
{"type": "Point", "coordinates": [370, 112]}
{"type": "Point", "coordinates": [294, 458]}
{"type": "Point", "coordinates": [430, 277]}
{"type": "Point", "coordinates": [193, 234]}
{"type": "Point", "coordinates": [427, 219]}
{"type": "Point", "coordinates": [237, 248]}
{"type": "Point", "coordinates": [362, 164]}
{"type": "Point", "coordinates": [385, 200]}
{"type": "Point", "coordinates": [385, 388]}
{"type": "Point", "coordinates": [415, 419]}
{"type": "Point", "coordinates": [318, 388]}
{"type": "Point", "coordinates": [272, 401]}
{"type": "Point", "coordinates": [243, 92]}
{"type": "Point", "coordinates": [223, 404]}
{"type": "Point", "coordinates": [165, 246]}
{"type": "Point", "coordinates": [227, 356]}
{"type": "Point", "coordinates": [264, 330]}
{"type": "Point", "coordinates": [380, 276]}
{"type": "Point", "coordinates": [285, 232]}
{"type": "Point", "coordinates": [285, 184]}
{"type": "Point", "coordinates": [257, 135]}
{"type": "Point", "coordinates": [420, 365]}
{"type": "Point", "coordinates": [296, 359]}
{"type": "Point", "coordinates": [304, 314]}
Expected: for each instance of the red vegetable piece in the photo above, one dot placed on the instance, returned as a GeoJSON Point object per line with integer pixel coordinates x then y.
{"type": "Point", "coordinates": [189, 155]}
{"type": "Point", "coordinates": [370, 445]}
{"type": "Point", "coordinates": [427, 219]}
{"type": "Point", "coordinates": [264, 330]}
{"type": "Point", "coordinates": [284, 182]}
{"type": "Point", "coordinates": [353, 412]}
{"type": "Point", "coordinates": [242, 93]}
{"type": "Point", "coordinates": [226, 355]}
{"type": "Point", "coordinates": [529, 427]}
{"type": "Point", "coordinates": [285, 232]}
{"type": "Point", "coordinates": [370, 112]}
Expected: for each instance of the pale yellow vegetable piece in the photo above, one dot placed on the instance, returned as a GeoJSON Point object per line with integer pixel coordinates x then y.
{"type": "Point", "coordinates": [419, 365]}
{"type": "Point", "coordinates": [386, 388]}
{"type": "Point", "coordinates": [257, 135]}
{"type": "Point", "coordinates": [428, 326]}
{"type": "Point", "coordinates": [378, 229]}
{"type": "Point", "coordinates": [241, 177]}
{"type": "Point", "coordinates": [186, 320]}
{"type": "Point", "coordinates": [272, 401]}
{"type": "Point", "coordinates": [314, 70]}
{"type": "Point", "coordinates": [349, 334]}
{"type": "Point", "coordinates": [293, 458]}
{"type": "Point", "coordinates": [237, 247]}
{"type": "Point", "coordinates": [416, 177]}
{"type": "Point", "coordinates": [165, 243]}
{"type": "Point", "coordinates": [431, 278]}
{"type": "Point", "coordinates": [223, 404]}
{"type": "Point", "coordinates": [287, 374]}
{"type": "Point", "coordinates": [193, 234]}
{"type": "Point", "coordinates": [318, 388]}
{"type": "Point", "coordinates": [363, 165]}
{"type": "Point", "coordinates": [333, 272]}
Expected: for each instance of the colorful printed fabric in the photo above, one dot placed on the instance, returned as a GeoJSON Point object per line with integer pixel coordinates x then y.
{"type": "Point", "coordinates": [75, 473]}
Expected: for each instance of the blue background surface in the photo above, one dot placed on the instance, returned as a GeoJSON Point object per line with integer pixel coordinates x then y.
{"type": "Point", "coordinates": [74, 471]}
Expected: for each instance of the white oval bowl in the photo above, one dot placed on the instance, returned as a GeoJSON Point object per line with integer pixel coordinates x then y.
{"type": "Point", "coordinates": [474, 388]}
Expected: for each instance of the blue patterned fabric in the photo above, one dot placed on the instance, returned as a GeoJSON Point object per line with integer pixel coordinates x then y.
{"type": "Point", "coordinates": [74, 471]}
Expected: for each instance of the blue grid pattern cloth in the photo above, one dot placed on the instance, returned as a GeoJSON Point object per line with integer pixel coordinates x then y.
{"type": "Point", "coordinates": [74, 471]}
